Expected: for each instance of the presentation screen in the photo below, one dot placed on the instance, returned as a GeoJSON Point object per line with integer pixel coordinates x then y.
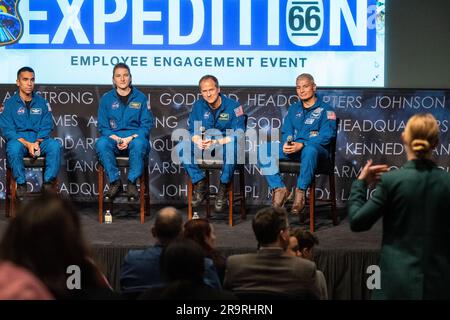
{"type": "Point", "coordinates": [175, 42]}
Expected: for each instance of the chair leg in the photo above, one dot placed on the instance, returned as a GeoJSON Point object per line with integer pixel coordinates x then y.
{"type": "Point", "coordinates": [13, 188]}
{"type": "Point", "coordinates": [147, 192]}
{"type": "Point", "coordinates": [312, 204]}
{"type": "Point", "coordinates": [190, 192]}
{"type": "Point", "coordinates": [101, 186]}
{"type": "Point", "coordinates": [142, 189]}
{"type": "Point", "coordinates": [302, 214]}
{"type": "Point", "coordinates": [231, 203]}
{"type": "Point", "coordinates": [208, 206]}
{"type": "Point", "coordinates": [333, 200]}
{"type": "Point", "coordinates": [242, 193]}
{"type": "Point", "coordinates": [55, 185]}
{"type": "Point", "coordinates": [8, 192]}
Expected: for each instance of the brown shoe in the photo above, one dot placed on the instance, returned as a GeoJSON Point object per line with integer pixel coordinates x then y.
{"type": "Point", "coordinates": [299, 202]}
{"type": "Point", "coordinates": [279, 197]}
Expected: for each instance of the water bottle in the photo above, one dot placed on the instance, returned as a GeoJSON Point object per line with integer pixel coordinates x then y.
{"type": "Point", "coordinates": [195, 216]}
{"type": "Point", "coordinates": [108, 217]}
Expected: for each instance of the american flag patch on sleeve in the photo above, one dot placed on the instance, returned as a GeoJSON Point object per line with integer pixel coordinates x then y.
{"type": "Point", "coordinates": [238, 111]}
{"type": "Point", "coordinates": [331, 115]}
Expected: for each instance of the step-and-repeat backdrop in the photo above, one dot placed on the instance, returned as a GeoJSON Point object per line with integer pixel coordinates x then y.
{"type": "Point", "coordinates": [371, 122]}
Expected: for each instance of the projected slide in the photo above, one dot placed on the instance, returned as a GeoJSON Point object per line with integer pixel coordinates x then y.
{"type": "Point", "coordinates": [175, 42]}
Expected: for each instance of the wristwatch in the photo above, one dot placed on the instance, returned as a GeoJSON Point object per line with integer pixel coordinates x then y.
{"type": "Point", "coordinates": [134, 136]}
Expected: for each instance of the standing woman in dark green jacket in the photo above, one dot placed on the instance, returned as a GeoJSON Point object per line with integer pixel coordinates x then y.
{"type": "Point", "coordinates": [414, 202]}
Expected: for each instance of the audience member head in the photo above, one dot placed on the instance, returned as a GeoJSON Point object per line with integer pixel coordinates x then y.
{"type": "Point", "coordinates": [183, 261]}
{"type": "Point", "coordinates": [421, 135]}
{"type": "Point", "coordinates": [302, 242]}
{"type": "Point", "coordinates": [168, 225]}
{"type": "Point", "coordinates": [292, 248]}
{"type": "Point", "coordinates": [202, 232]}
{"type": "Point", "coordinates": [45, 238]}
{"type": "Point", "coordinates": [271, 227]}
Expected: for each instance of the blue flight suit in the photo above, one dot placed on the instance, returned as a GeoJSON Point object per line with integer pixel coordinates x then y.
{"type": "Point", "coordinates": [32, 123]}
{"type": "Point", "coordinates": [229, 116]}
{"type": "Point", "coordinates": [314, 127]}
{"type": "Point", "coordinates": [124, 120]}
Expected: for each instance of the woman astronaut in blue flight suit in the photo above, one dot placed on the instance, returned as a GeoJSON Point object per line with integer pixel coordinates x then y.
{"type": "Point", "coordinates": [124, 123]}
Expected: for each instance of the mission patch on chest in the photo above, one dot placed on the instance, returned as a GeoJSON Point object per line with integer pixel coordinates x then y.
{"type": "Point", "coordinates": [35, 111]}
{"type": "Point", "coordinates": [135, 105]}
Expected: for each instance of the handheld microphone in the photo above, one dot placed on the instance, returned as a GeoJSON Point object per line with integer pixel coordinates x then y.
{"type": "Point", "coordinates": [37, 153]}
{"type": "Point", "coordinates": [289, 140]}
{"type": "Point", "coordinates": [202, 132]}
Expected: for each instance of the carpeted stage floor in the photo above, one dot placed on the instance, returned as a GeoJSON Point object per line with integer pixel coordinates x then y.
{"type": "Point", "coordinates": [342, 255]}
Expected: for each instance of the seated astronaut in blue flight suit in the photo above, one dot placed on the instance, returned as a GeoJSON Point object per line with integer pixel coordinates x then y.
{"type": "Point", "coordinates": [124, 123]}
{"type": "Point", "coordinates": [213, 112]}
{"type": "Point", "coordinates": [26, 122]}
{"type": "Point", "coordinates": [307, 131]}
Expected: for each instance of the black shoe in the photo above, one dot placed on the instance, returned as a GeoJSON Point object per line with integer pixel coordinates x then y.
{"type": "Point", "coordinates": [114, 189]}
{"type": "Point", "coordinates": [47, 188]}
{"type": "Point", "coordinates": [132, 191]}
{"type": "Point", "coordinates": [221, 198]}
{"type": "Point", "coordinates": [21, 191]}
{"type": "Point", "coordinates": [200, 193]}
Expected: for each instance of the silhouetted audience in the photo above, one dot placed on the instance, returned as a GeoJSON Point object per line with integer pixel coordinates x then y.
{"type": "Point", "coordinates": [45, 238]}
{"type": "Point", "coordinates": [202, 232]}
{"type": "Point", "coordinates": [141, 268]}
{"type": "Point", "coordinates": [271, 269]}
{"type": "Point", "coordinates": [414, 202]}
{"type": "Point", "coordinates": [183, 267]}
{"type": "Point", "coordinates": [301, 244]}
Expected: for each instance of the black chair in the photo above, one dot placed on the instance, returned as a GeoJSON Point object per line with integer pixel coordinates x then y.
{"type": "Point", "coordinates": [232, 195]}
{"type": "Point", "coordinates": [144, 194]}
{"type": "Point", "coordinates": [11, 185]}
{"type": "Point", "coordinates": [326, 168]}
